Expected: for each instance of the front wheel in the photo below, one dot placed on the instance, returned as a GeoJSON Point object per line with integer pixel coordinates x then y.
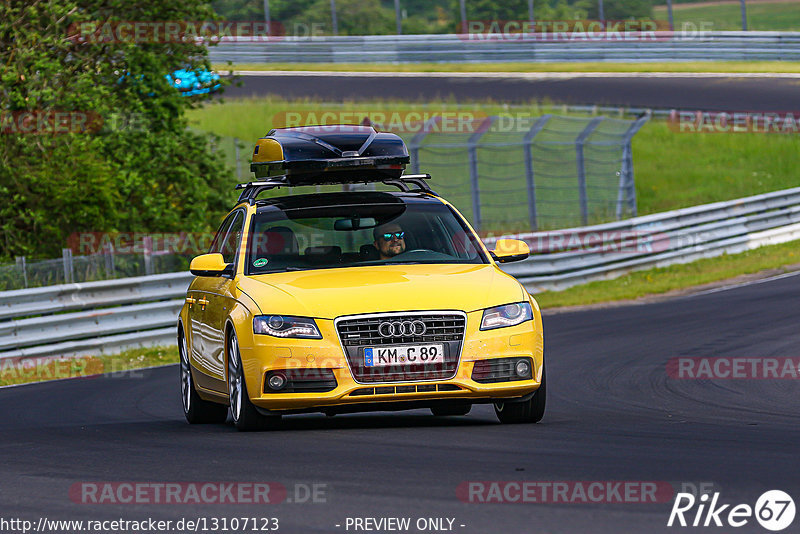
{"type": "Point", "coordinates": [196, 410]}
{"type": "Point", "coordinates": [530, 411]}
{"type": "Point", "coordinates": [244, 413]}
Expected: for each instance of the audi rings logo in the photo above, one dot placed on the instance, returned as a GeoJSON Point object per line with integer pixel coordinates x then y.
{"type": "Point", "coordinates": [401, 328]}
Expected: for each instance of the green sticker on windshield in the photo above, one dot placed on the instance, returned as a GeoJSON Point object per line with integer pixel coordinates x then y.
{"type": "Point", "coordinates": [260, 262]}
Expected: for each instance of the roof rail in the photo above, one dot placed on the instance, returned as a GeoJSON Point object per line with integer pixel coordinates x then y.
{"type": "Point", "coordinates": [406, 183]}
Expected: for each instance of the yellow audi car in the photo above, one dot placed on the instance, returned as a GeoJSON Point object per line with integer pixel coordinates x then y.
{"type": "Point", "coordinates": [353, 300]}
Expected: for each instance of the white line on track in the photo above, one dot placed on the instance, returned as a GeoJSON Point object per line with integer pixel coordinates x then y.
{"type": "Point", "coordinates": [745, 284]}
{"type": "Point", "coordinates": [520, 75]}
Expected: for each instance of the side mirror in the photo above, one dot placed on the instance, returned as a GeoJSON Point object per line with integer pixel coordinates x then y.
{"type": "Point", "coordinates": [210, 265]}
{"type": "Point", "coordinates": [507, 250]}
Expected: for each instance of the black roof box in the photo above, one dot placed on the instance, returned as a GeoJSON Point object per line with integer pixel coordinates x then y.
{"type": "Point", "coordinates": [336, 154]}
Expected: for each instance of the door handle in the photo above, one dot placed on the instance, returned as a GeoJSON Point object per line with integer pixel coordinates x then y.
{"type": "Point", "coordinates": [190, 301]}
{"type": "Point", "coordinates": [202, 302]}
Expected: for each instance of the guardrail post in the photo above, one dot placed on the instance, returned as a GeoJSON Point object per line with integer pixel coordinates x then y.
{"type": "Point", "coordinates": [627, 186]}
{"type": "Point", "coordinates": [416, 142]}
{"type": "Point", "coordinates": [238, 161]}
{"type": "Point", "coordinates": [580, 141]}
{"type": "Point", "coordinates": [334, 22]}
{"type": "Point", "coordinates": [66, 256]}
{"type": "Point", "coordinates": [475, 189]}
{"type": "Point", "coordinates": [529, 177]}
{"type": "Point", "coordinates": [147, 249]}
{"type": "Point", "coordinates": [669, 16]}
{"type": "Point", "coordinates": [23, 268]}
{"type": "Point", "coordinates": [108, 254]}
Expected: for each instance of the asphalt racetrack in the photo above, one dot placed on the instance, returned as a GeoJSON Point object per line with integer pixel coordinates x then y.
{"type": "Point", "coordinates": [613, 414]}
{"type": "Point", "coordinates": [777, 93]}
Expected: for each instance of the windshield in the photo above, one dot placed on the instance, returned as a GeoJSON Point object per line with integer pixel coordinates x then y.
{"type": "Point", "coordinates": [351, 235]}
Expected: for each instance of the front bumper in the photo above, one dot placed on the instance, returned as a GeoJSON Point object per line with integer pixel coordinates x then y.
{"type": "Point", "coordinates": [261, 354]}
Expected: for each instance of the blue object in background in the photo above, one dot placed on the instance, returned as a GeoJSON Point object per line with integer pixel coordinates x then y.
{"type": "Point", "coordinates": [194, 82]}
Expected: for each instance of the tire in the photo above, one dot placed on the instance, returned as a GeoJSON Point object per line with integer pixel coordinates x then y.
{"type": "Point", "coordinates": [245, 416]}
{"type": "Point", "coordinates": [196, 410]}
{"type": "Point", "coordinates": [530, 411]}
{"type": "Point", "coordinates": [451, 409]}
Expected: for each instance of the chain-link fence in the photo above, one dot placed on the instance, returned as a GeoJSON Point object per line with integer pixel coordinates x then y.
{"type": "Point", "coordinates": [542, 173]}
{"type": "Point", "coordinates": [519, 174]}
{"type": "Point", "coordinates": [25, 273]}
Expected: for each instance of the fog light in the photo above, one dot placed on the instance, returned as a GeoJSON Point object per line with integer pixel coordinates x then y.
{"type": "Point", "coordinates": [276, 382]}
{"type": "Point", "coordinates": [523, 368]}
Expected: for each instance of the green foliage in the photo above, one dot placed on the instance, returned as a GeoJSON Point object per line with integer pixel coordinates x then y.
{"type": "Point", "coordinates": [145, 172]}
{"type": "Point", "coordinates": [364, 17]}
{"type": "Point", "coordinates": [761, 16]}
{"type": "Point", "coordinates": [354, 17]}
{"type": "Point", "coordinates": [299, 17]}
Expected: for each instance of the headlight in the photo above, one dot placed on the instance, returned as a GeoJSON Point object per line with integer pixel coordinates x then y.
{"type": "Point", "coordinates": [286, 326]}
{"type": "Point", "coordinates": [508, 315]}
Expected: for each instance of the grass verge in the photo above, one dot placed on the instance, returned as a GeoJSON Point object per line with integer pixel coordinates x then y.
{"type": "Point", "coordinates": [594, 66]}
{"type": "Point", "coordinates": [662, 280]}
{"type": "Point", "coordinates": [673, 170]}
{"type": "Point", "coordinates": [15, 371]}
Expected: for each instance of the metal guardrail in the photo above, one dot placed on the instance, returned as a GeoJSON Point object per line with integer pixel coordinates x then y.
{"type": "Point", "coordinates": [79, 319]}
{"type": "Point", "coordinates": [662, 46]}
{"type": "Point", "coordinates": [108, 316]}
{"type": "Point", "coordinates": [610, 250]}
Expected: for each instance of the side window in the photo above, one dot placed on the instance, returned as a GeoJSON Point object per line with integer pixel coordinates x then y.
{"type": "Point", "coordinates": [216, 244]}
{"type": "Point", "coordinates": [233, 238]}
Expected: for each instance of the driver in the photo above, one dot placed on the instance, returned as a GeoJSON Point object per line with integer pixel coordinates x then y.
{"type": "Point", "coordinates": [389, 240]}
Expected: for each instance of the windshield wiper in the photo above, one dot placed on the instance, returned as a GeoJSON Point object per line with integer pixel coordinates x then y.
{"type": "Point", "coordinates": [282, 270]}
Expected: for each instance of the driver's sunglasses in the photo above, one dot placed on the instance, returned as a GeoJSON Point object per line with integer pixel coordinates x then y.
{"type": "Point", "coordinates": [395, 235]}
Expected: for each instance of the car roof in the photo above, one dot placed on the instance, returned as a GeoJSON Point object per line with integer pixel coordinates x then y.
{"type": "Point", "coordinates": [353, 198]}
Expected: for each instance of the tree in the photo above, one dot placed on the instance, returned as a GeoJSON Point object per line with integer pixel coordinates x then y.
{"type": "Point", "coordinates": [354, 17]}
{"type": "Point", "coordinates": [133, 166]}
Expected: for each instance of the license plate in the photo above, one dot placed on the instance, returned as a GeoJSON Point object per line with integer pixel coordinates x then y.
{"type": "Point", "coordinates": [403, 355]}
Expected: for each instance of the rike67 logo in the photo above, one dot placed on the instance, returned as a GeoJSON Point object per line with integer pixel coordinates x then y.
{"type": "Point", "coordinates": [774, 510]}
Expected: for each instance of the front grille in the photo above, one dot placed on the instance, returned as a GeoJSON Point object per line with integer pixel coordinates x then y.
{"type": "Point", "coordinates": [421, 388]}
{"type": "Point", "coordinates": [304, 381]}
{"type": "Point", "coordinates": [360, 332]}
{"type": "Point", "coordinates": [443, 328]}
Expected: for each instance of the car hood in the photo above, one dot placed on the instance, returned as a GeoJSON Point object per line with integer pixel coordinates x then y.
{"type": "Point", "coordinates": [330, 293]}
